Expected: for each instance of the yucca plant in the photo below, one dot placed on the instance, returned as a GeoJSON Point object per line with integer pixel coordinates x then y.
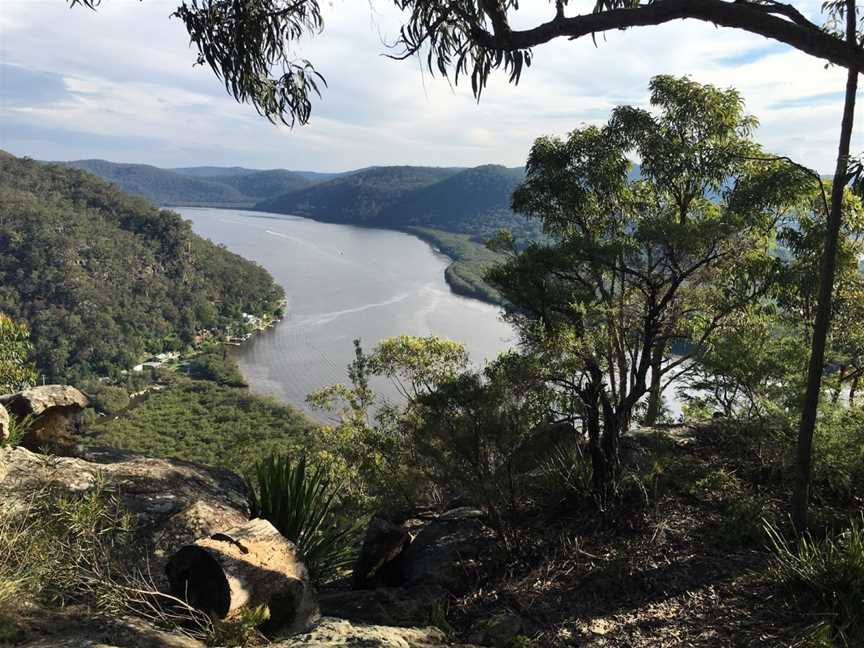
{"type": "Point", "coordinates": [829, 572]}
{"type": "Point", "coordinates": [300, 501]}
{"type": "Point", "coordinates": [17, 429]}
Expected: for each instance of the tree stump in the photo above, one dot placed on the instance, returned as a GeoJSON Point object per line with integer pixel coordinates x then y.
{"type": "Point", "coordinates": [243, 568]}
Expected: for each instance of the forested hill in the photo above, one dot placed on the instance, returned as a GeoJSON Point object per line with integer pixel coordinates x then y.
{"type": "Point", "coordinates": [364, 197]}
{"type": "Point", "coordinates": [104, 278]}
{"type": "Point", "coordinates": [472, 201]}
{"type": "Point", "coordinates": [233, 186]}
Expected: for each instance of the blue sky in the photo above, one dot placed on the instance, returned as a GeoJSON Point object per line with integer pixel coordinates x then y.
{"type": "Point", "coordinates": [119, 84]}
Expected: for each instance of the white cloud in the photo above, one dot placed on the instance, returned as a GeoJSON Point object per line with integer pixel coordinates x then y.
{"type": "Point", "coordinates": [133, 93]}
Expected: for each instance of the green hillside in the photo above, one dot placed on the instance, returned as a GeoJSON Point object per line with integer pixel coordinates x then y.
{"type": "Point", "coordinates": [261, 185]}
{"type": "Point", "coordinates": [204, 186]}
{"type": "Point", "coordinates": [359, 198]}
{"type": "Point", "coordinates": [163, 187]}
{"type": "Point", "coordinates": [474, 201]}
{"type": "Point", "coordinates": [103, 278]}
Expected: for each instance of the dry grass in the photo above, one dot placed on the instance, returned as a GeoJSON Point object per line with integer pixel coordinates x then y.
{"type": "Point", "coordinates": [62, 550]}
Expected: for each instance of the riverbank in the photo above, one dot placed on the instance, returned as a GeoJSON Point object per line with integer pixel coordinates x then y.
{"type": "Point", "coordinates": [468, 261]}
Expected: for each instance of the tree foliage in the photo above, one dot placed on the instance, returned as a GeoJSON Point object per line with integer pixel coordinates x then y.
{"type": "Point", "coordinates": [636, 265]}
{"type": "Point", "coordinates": [16, 368]}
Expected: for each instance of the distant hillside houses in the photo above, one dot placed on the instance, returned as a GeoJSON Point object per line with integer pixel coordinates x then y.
{"type": "Point", "coordinates": [157, 361]}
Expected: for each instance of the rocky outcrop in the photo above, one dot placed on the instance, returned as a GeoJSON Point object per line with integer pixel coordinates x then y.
{"type": "Point", "coordinates": [339, 633]}
{"type": "Point", "coordinates": [406, 573]}
{"type": "Point", "coordinates": [173, 502]}
{"type": "Point", "coordinates": [445, 551]}
{"type": "Point", "coordinates": [177, 503]}
{"type": "Point", "coordinates": [327, 633]}
{"type": "Point", "coordinates": [382, 543]}
{"type": "Point", "coordinates": [55, 412]}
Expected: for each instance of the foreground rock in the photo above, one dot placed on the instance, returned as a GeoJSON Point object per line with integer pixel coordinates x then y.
{"type": "Point", "coordinates": [173, 502]}
{"type": "Point", "coordinates": [55, 410]}
{"type": "Point", "coordinates": [405, 574]}
{"type": "Point", "coordinates": [338, 633]}
{"type": "Point", "coordinates": [244, 568]}
{"type": "Point", "coordinates": [327, 633]}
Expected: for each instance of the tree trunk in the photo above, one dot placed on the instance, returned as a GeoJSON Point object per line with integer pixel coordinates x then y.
{"type": "Point", "coordinates": [804, 451]}
{"type": "Point", "coordinates": [243, 568]}
{"type": "Point", "coordinates": [839, 390]}
{"type": "Point", "coordinates": [852, 389]}
{"type": "Point", "coordinates": [655, 391]}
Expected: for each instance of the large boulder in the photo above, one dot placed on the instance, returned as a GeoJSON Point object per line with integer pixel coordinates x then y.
{"type": "Point", "coordinates": [173, 502]}
{"type": "Point", "coordinates": [5, 431]}
{"type": "Point", "coordinates": [382, 544]}
{"type": "Point", "coordinates": [55, 412]}
{"type": "Point", "coordinates": [445, 551]}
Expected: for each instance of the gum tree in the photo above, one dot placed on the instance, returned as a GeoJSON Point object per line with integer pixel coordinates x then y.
{"type": "Point", "coordinates": [637, 264]}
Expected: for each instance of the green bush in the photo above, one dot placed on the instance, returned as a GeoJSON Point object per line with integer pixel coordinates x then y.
{"type": "Point", "coordinates": [218, 366]}
{"type": "Point", "coordinates": [300, 501]}
{"type": "Point", "coordinates": [839, 454]}
{"type": "Point", "coordinates": [826, 576]}
{"type": "Point", "coordinates": [108, 399]}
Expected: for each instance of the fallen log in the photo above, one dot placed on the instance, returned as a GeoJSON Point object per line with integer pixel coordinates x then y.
{"type": "Point", "coordinates": [243, 568]}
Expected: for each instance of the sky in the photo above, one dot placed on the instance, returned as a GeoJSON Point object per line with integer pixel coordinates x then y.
{"type": "Point", "coordinates": [120, 84]}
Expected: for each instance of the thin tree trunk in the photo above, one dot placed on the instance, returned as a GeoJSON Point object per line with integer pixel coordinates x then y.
{"type": "Point", "coordinates": [801, 495]}
{"type": "Point", "coordinates": [852, 389]}
{"type": "Point", "coordinates": [839, 390]}
{"type": "Point", "coordinates": [655, 391]}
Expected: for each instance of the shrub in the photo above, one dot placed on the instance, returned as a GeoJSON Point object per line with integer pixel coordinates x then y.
{"type": "Point", "coordinates": [300, 502]}
{"type": "Point", "coordinates": [108, 399]}
{"type": "Point", "coordinates": [839, 454]}
{"type": "Point", "coordinates": [827, 577]}
{"type": "Point", "coordinates": [219, 367]}
{"type": "Point", "coordinates": [18, 428]}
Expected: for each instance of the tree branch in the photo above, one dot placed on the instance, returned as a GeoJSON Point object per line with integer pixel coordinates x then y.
{"type": "Point", "coordinates": [753, 17]}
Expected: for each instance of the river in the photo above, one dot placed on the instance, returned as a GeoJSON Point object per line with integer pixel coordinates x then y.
{"type": "Point", "coordinates": [342, 283]}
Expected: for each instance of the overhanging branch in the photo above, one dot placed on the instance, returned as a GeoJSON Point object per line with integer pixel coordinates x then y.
{"type": "Point", "coordinates": [756, 18]}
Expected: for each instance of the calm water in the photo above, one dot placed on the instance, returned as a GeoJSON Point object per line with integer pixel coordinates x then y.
{"type": "Point", "coordinates": [342, 283]}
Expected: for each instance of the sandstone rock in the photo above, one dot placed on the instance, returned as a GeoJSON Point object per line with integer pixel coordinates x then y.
{"type": "Point", "coordinates": [38, 400]}
{"type": "Point", "coordinates": [55, 410]}
{"type": "Point", "coordinates": [124, 632]}
{"type": "Point", "coordinates": [243, 568]}
{"type": "Point", "coordinates": [4, 425]}
{"type": "Point", "coordinates": [382, 543]}
{"type": "Point", "coordinates": [173, 502]}
{"type": "Point", "coordinates": [445, 551]}
{"type": "Point", "coordinates": [338, 633]}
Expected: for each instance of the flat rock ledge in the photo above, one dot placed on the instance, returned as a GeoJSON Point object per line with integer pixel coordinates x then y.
{"type": "Point", "coordinates": [174, 502]}
{"type": "Point", "coordinates": [327, 633]}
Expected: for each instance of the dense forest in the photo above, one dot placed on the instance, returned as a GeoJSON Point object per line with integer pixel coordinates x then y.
{"type": "Point", "coordinates": [103, 278]}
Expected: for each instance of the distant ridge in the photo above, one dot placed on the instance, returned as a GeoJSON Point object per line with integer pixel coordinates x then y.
{"type": "Point", "coordinates": [205, 186]}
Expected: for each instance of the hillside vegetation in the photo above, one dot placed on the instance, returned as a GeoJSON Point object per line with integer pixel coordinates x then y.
{"type": "Point", "coordinates": [365, 197]}
{"type": "Point", "coordinates": [103, 278]}
{"type": "Point", "coordinates": [472, 201]}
